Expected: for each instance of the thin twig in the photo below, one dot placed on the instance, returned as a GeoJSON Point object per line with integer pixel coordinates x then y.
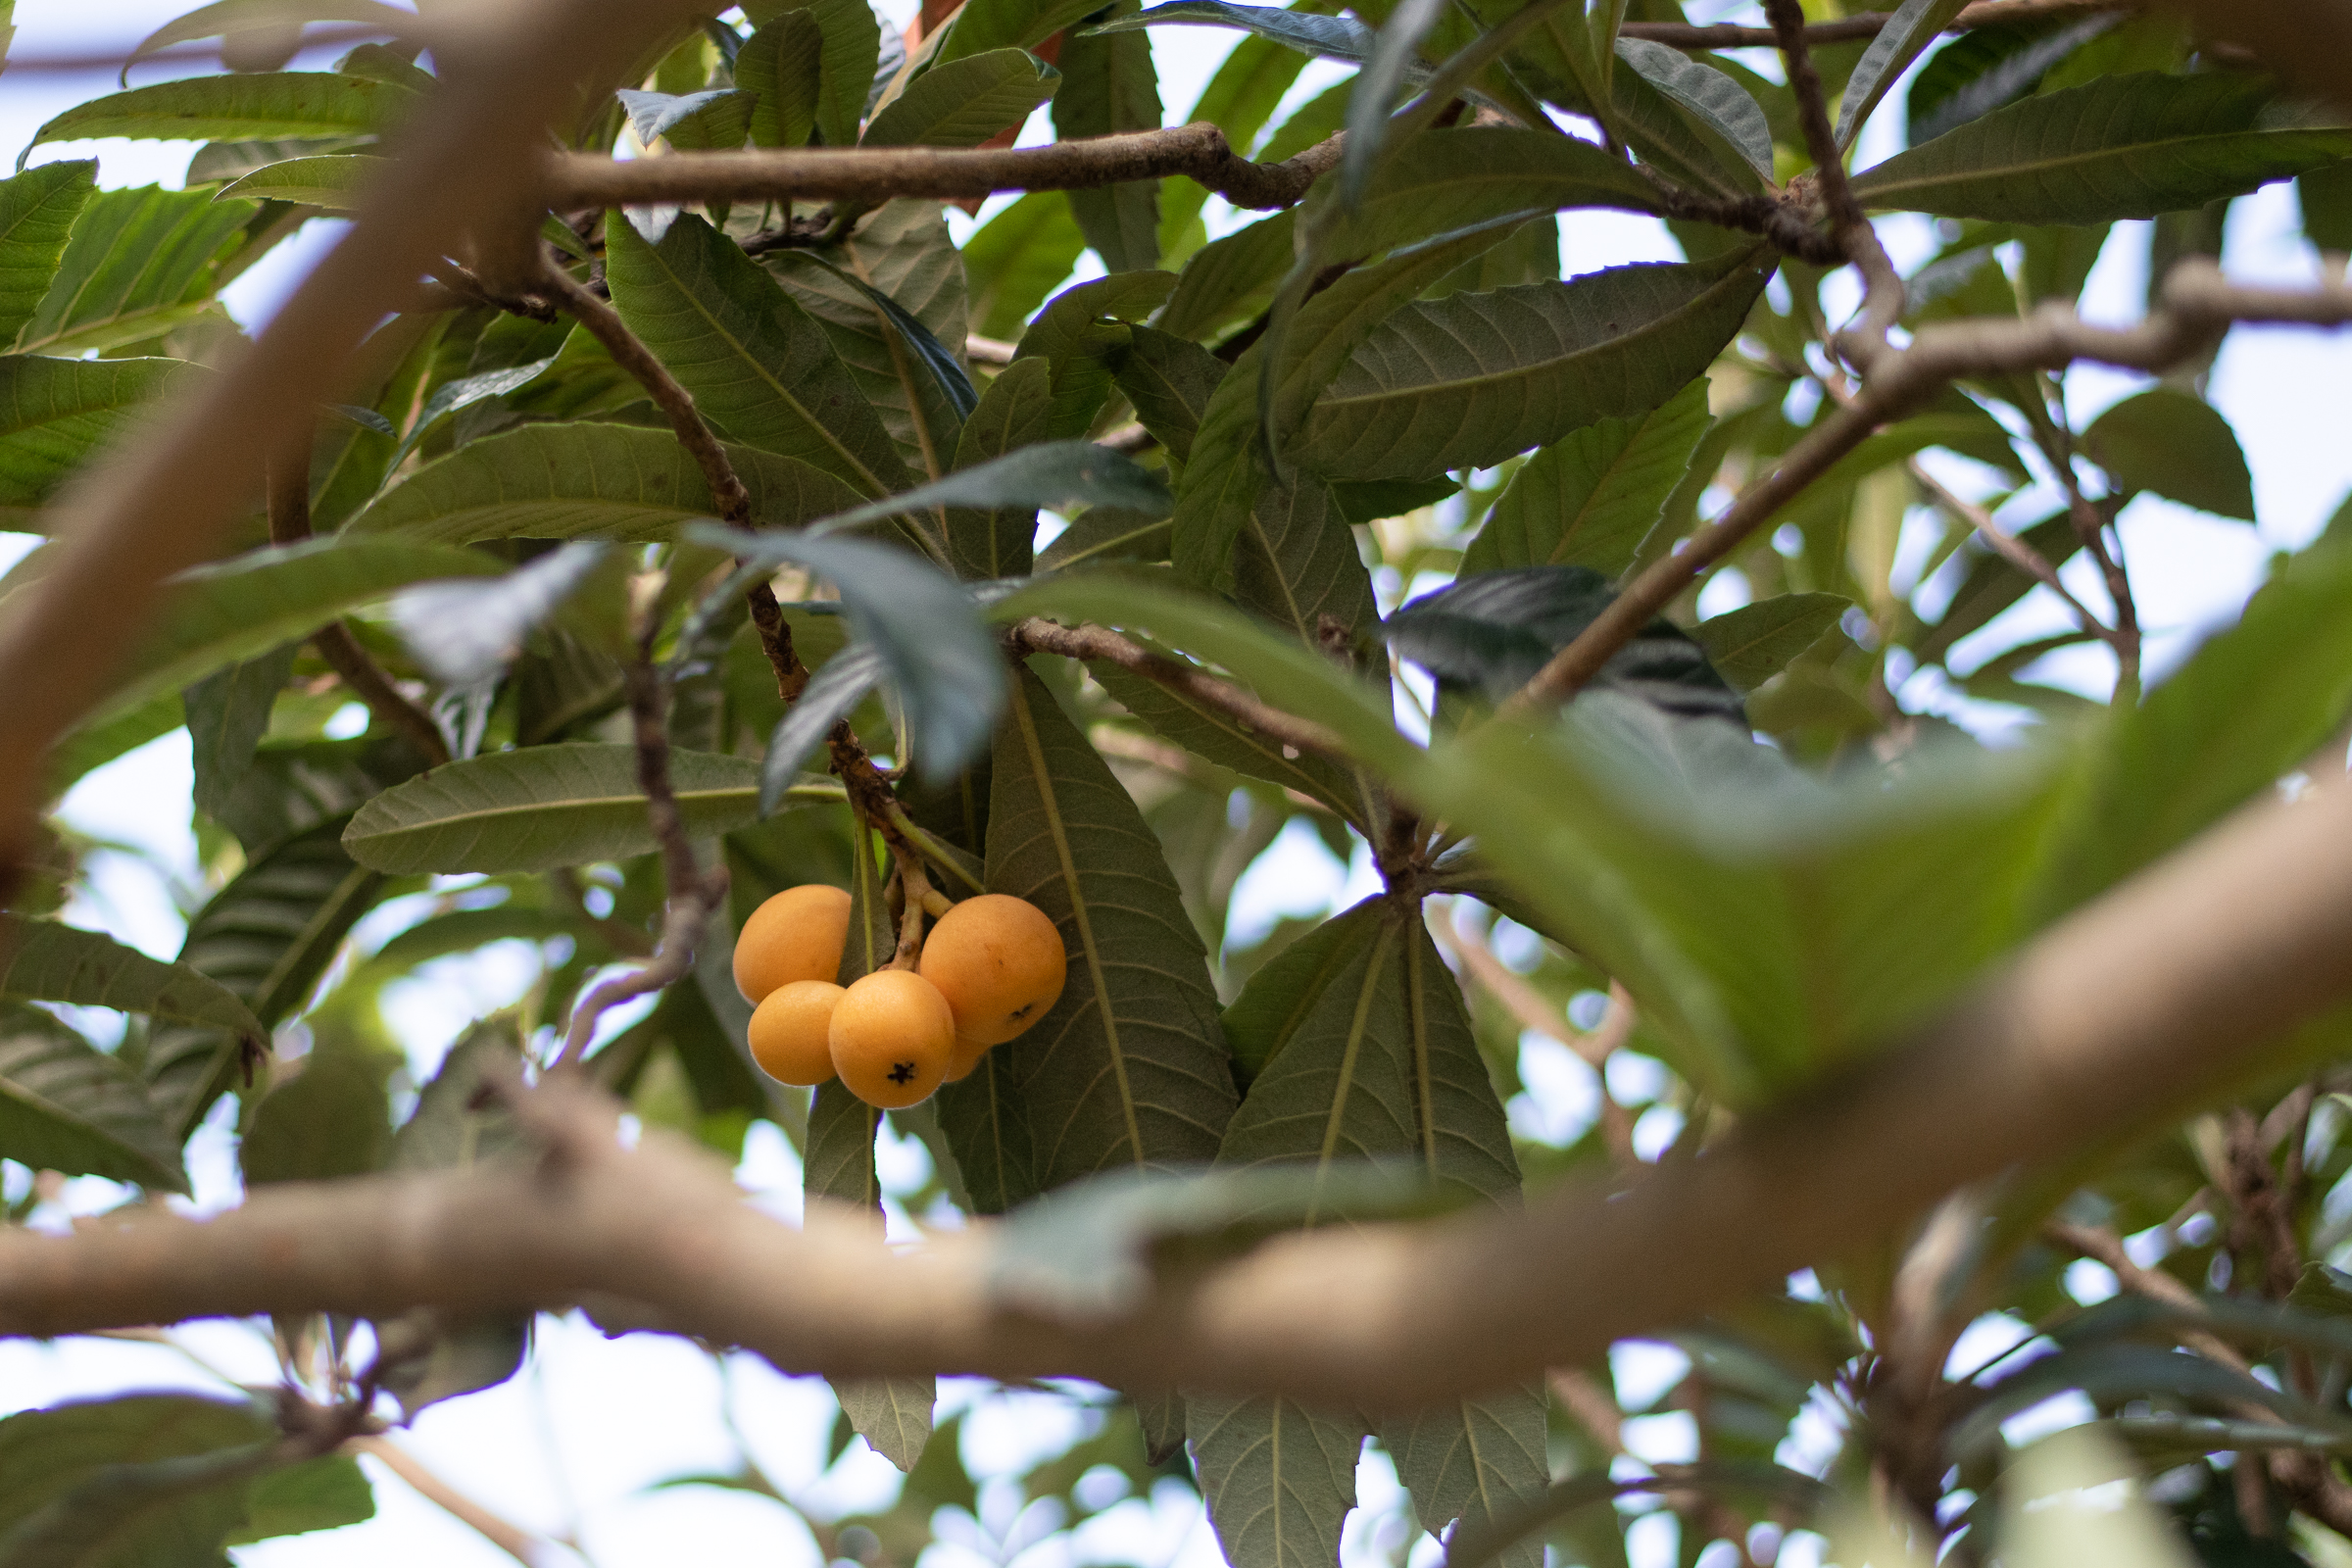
{"type": "Point", "coordinates": [871, 176]}
{"type": "Point", "coordinates": [508, 1538]}
{"type": "Point", "coordinates": [2010, 548]}
{"type": "Point", "coordinates": [1853, 30]}
{"type": "Point", "coordinates": [1040, 636]}
{"type": "Point", "coordinates": [2198, 303]}
{"type": "Point", "coordinates": [289, 503]}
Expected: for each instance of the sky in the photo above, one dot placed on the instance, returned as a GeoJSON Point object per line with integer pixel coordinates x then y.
{"type": "Point", "coordinates": [576, 1446]}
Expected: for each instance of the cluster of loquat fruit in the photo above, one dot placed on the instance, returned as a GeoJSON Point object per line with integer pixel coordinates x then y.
{"type": "Point", "coordinates": [990, 968]}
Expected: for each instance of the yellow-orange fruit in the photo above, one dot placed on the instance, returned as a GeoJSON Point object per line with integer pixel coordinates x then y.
{"type": "Point", "coordinates": [791, 1032]}
{"type": "Point", "coordinates": [999, 962]}
{"type": "Point", "coordinates": [965, 1057]}
{"type": "Point", "coordinates": [892, 1037]}
{"type": "Point", "coordinates": [797, 935]}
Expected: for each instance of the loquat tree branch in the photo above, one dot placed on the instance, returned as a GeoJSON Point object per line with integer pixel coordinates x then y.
{"type": "Point", "coordinates": [2133, 1010]}
{"type": "Point", "coordinates": [1040, 636]}
{"type": "Point", "coordinates": [2198, 304]}
{"type": "Point", "coordinates": [875, 175]}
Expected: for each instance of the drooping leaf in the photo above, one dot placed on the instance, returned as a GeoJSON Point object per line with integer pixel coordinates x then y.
{"type": "Point", "coordinates": [291, 788]}
{"type": "Point", "coordinates": [941, 662]}
{"type": "Point", "coordinates": [1295, 563]}
{"type": "Point", "coordinates": [2178, 444]}
{"type": "Point", "coordinates": [547, 807]}
{"type": "Point", "coordinates": [259, 21]}
{"type": "Point", "coordinates": [1590, 498]}
{"type": "Point", "coordinates": [1279, 1478]}
{"type": "Point", "coordinates": [782, 66]}
{"type": "Point", "coordinates": [228, 713]}
{"type": "Point", "coordinates": [601, 481]}
{"type": "Point", "coordinates": [1720, 108]}
{"type": "Point", "coordinates": [1915, 25]}
{"type": "Point", "coordinates": [1110, 87]}
{"type": "Point", "coordinates": [1472, 378]}
{"type": "Point", "coordinates": [1225, 741]}
{"type": "Point", "coordinates": [831, 696]}
{"type": "Point", "coordinates": [37, 208]}
{"type": "Point", "coordinates": [1396, 55]}
{"type": "Point", "coordinates": [1751, 645]}
{"type": "Point", "coordinates": [962, 103]}
{"type": "Point", "coordinates": [256, 107]}
{"type": "Point", "coordinates": [1227, 277]}
{"type": "Point", "coordinates": [221, 615]}
{"type": "Point", "coordinates": [1081, 334]}
{"type": "Point", "coordinates": [1986, 69]}
{"type": "Point", "coordinates": [67, 1107]}
{"type": "Point", "coordinates": [996, 540]}
{"type": "Point", "coordinates": [1168, 380]}
{"type": "Point", "coordinates": [1129, 1069]}
{"type": "Point", "coordinates": [2130, 146]}
{"type": "Point", "coordinates": [43, 960]}
{"type": "Point", "coordinates": [266, 938]}
{"type": "Point", "coordinates": [760, 368]}
{"type": "Point", "coordinates": [848, 68]}
{"type": "Point", "coordinates": [57, 413]}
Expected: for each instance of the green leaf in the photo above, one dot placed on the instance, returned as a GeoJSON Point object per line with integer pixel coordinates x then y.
{"type": "Point", "coordinates": [1080, 335]}
{"type": "Point", "coordinates": [257, 20]}
{"type": "Point", "coordinates": [891, 299]}
{"type": "Point", "coordinates": [71, 1109]}
{"type": "Point", "coordinates": [1445, 182]}
{"type": "Point", "coordinates": [831, 696]}
{"type": "Point", "coordinates": [962, 102]}
{"type": "Point", "coordinates": [1241, 98]}
{"type": "Point", "coordinates": [322, 1493]}
{"type": "Point", "coordinates": [2133, 146]}
{"type": "Point", "coordinates": [1467, 380]}
{"type": "Point", "coordinates": [995, 541]}
{"type": "Point", "coordinates": [55, 415]}
{"type": "Point", "coordinates": [845, 69]}
{"type": "Point", "coordinates": [1049, 474]}
{"type": "Point", "coordinates": [2178, 444]}
{"type": "Point", "coordinates": [782, 65]}
{"type": "Point", "coordinates": [46, 961]}
{"type": "Point", "coordinates": [1214, 734]}
{"type": "Point", "coordinates": [465, 633]}
{"type": "Point", "coordinates": [1228, 276]}
{"type": "Point", "coordinates": [1279, 1477]}
{"type": "Point", "coordinates": [2252, 704]}
{"type": "Point", "coordinates": [1720, 110]}
{"type": "Point", "coordinates": [291, 788]}
{"type": "Point", "coordinates": [1590, 498]}
{"type": "Point", "coordinates": [228, 713]}
{"type": "Point", "coordinates": [699, 121]}
{"type": "Point", "coordinates": [1016, 258]}
{"type": "Point", "coordinates": [333, 180]}
{"type": "Point", "coordinates": [547, 807]}
{"type": "Point", "coordinates": [1751, 645]}
{"type": "Point", "coordinates": [150, 1481]}
{"type": "Point", "coordinates": [332, 1118]}
{"type": "Point", "coordinates": [981, 26]}
{"type": "Point", "coordinates": [1295, 563]}
{"type": "Point", "coordinates": [266, 938]}
{"type": "Point", "coordinates": [1986, 69]}
{"type": "Point", "coordinates": [1327, 37]}
{"type": "Point", "coordinates": [457, 1126]}
{"type": "Point", "coordinates": [263, 106]}
{"type": "Point", "coordinates": [1915, 25]}
{"type": "Point", "coordinates": [758, 367]}
{"type": "Point", "coordinates": [1169, 381]}
{"type": "Point", "coordinates": [243, 606]}
{"type": "Point", "coordinates": [1110, 87]}
{"type": "Point", "coordinates": [593, 481]}
{"type": "Point", "coordinates": [37, 210]}
{"type": "Point", "coordinates": [1129, 1069]}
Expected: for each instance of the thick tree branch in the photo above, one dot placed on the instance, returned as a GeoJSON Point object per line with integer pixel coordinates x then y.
{"type": "Point", "coordinates": [1040, 636]}
{"type": "Point", "coordinates": [289, 504]}
{"type": "Point", "coordinates": [2127, 1013]}
{"type": "Point", "coordinates": [2199, 303]}
{"type": "Point", "coordinates": [875, 175]}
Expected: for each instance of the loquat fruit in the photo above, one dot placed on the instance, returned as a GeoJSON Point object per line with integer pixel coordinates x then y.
{"type": "Point", "coordinates": [892, 1038]}
{"type": "Point", "coordinates": [797, 935]}
{"type": "Point", "coordinates": [965, 1058]}
{"type": "Point", "coordinates": [999, 960]}
{"type": "Point", "coordinates": [791, 1032]}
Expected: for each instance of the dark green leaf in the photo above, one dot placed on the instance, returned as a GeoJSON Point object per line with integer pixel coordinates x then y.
{"type": "Point", "coordinates": [1110, 87]}
{"type": "Point", "coordinates": [984, 25]}
{"type": "Point", "coordinates": [995, 541]}
{"type": "Point", "coordinates": [782, 66]}
{"type": "Point", "coordinates": [1279, 1478]}
{"type": "Point", "coordinates": [602, 481]}
{"type": "Point", "coordinates": [1590, 498]}
{"type": "Point", "coordinates": [1472, 378]}
{"type": "Point", "coordinates": [962, 103]}
{"type": "Point", "coordinates": [37, 210]}
{"type": "Point", "coordinates": [45, 961]}
{"type": "Point", "coordinates": [760, 368]}
{"type": "Point", "coordinates": [1168, 382]}
{"type": "Point", "coordinates": [547, 807]}
{"type": "Point", "coordinates": [291, 788]}
{"type": "Point", "coordinates": [257, 107]}
{"type": "Point", "coordinates": [1015, 259]}
{"type": "Point", "coordinates": [69, 1108]}
{"type": "Point", "coordinates": [1225, 741]}
{"type": "Point", "coordinates": [1722, 111]}
{"type": "Point", "coordinates": [1052, 473]}
{"type": "Point", "coordinates": [322, 1493]}
{"type": "Point", "coordinates": [1439, 183]}
{"type": "Point", "coordinates": [831, 696]}
{"type": "Point", "coordinates": [1986, 69]}
{"type": "Point", "coordinates": [332, 1118]}
{"type": "Point", "coordinates": [847, 68]}
{"type": "Point", "coordinates": [1227, 276]}
{"type": "Point", "coordinates": [2122, 147]}
{"type": "Point", "coordinates": [1295, 563]}
{"type": "Point", "coordinates": [1751, 645]}
{"type": "Point", "coordinates": [1909, 32]}
{"type": "Point", "coordinates": [55, 415]}
{"type": "Point", "coordinates": [1330, 37]}
{"type": "Point", "coordinates": [2178, 444]}
{"type": "Point", "coordinates": [228, 713]}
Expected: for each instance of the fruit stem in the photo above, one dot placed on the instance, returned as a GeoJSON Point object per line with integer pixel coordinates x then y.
{"type": "Point", "coordinates": [916, 893]}
{"type": "Point", "coordinates": [936, 904]}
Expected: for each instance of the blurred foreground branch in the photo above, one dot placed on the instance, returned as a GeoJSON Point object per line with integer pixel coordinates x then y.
{"type": "Point", "coordinates": [2124, 1014]}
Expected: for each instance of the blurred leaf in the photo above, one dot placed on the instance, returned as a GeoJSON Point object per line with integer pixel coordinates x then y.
{"type": "Point", "coordinates": [2324, 195]}
{"type": "Point", "coordinates": [258, 107]}
{"type": "Point", "coordinates": [322, 1493]}
{"type": "Point", "coordinates": [1751, 645]}
{"type": "Point", "coordinates": [2122, 147]}
{"type": "Point", "coordinates": [55, 415]}
{"type": "Point", "coordinates": [37, 210]}
{"type": "Point", "coordinates": [962, 102]}
{"type": "Point", "coordinates": [1339, 39]}
{"type": "Point", "coordinates": [228, 713]}
{"type": "Point", "coordinates": [944, 669]}
{"type": "Point", "coordinates": [547, 807]}
{"type": "Point", "coordinates": [292, 788]}
{"type": "Point", "coordinates": [1472, 378]}
{"type": "Point", "coordinates": [332, 1118]}
{"type": "Point", "coordinates": [699, 121]}
{"type": "Point", "coordinates": [1214, 734]}
{"type": "Point", "coordinates": [831, 696]}
{"type": "Point", "coordinates": [608, 481]}
{"type": "Point", "coordinates": [2178, 446]}
{"type": "Point", "coordinates": [70, 1107]}
{"type": "Point", "coordinates": [267, 937]}
{"type": "Point", "coordinates": [996, 540]}
{"type": "Point", "coordinates": [1590, 498]}
{"type": "Point", "coordinates": [230, 19]}
{"type": "Point", "coordinates": [332, 180]}
{"type": "Point", "coordinates": [1128, 1070]}
{"type": "Point", "coordinates": [468, 632]}
{"type": "Point", "coordinates": [1986, 68]}
{"type": "Point", "coordinates": [43, 960]}
{"type": "Point", "coordinates": [1062, 475]}
{"type": "Point", "coordinates": [458, 1121]}
{"type": "Point", "coordinates": [1909, 34]}
{"type": "Point", "coordinates": [760, 368]}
